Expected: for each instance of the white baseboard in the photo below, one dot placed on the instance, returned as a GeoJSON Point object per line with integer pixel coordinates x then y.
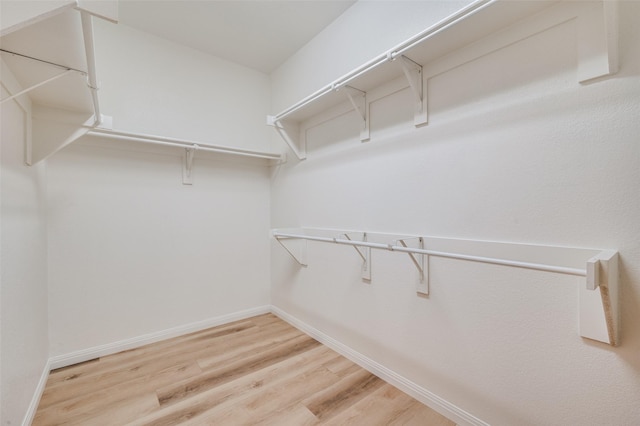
{"type": "Point", "coordinates": [123, 345]}
{"type": "Point", "coordinates": [35, 400]}
{"type": "Point", "coordinates": [428, 398]}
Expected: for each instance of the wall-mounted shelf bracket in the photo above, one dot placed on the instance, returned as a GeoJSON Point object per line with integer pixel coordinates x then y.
{"type": "Point", "coordinates": [365, 254]}
{"type": "Point", "coordinates": [421, 262]}
{"type": "Point", "coordinates": [187, 165]}
{"type": "Point", "coordinates": [598, 300]}
{"type": "Point", "coordinates": [296, 247]}
{"type": "Point", "coordinates": [290, 133]}
{"type": "Point", "coordinates": [415, 76]}
{"type": "Point", "coordinates": [358, 99]}
{"type": "Point", "coordinates": [35, 86]}
{"type": "Point", "coordinates": [597, 41]}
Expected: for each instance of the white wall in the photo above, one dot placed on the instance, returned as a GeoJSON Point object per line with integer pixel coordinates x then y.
{"type": "Point", "coordinates": [23, 271]}
{"type": "Point", "coordinates": [150, 85]}
{"type": "Point", "coordinates": [515, 150]}
{"type": "Point", "coordinates": [132, 250]}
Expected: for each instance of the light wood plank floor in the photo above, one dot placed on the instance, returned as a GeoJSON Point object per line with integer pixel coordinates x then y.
{"type": "Point", "coordinates": [255, 371]}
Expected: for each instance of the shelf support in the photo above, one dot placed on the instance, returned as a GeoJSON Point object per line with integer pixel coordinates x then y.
{"type": "Point", "coordinates": [598, 299]}
{"type": "Point", "coordinates": [421, 262]}
{"type": "Point", "coordinates": [415, 76]}
{"type": "Point", "coordinates": [597, 41]}
{"type": "Point", "coordinates": [365, 254]}
{"type": "Point", "coordinates": [187, 165]}
{"type": "Point", "coordinates": [358, 99]}
{"type": "Point", "coordinates": [291, 134]}
{"type": "Point", "coordinates": [296, 247]}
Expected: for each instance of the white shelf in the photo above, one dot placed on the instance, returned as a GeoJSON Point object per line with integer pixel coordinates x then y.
{"type": "Point", "coordinates": [598, 295]}
{"type": "Point", "coordinates": [56, 40]}
{"type": "Point", "coordinates": [469, 33]}
{"type": "Point", "coordinates": [48, 69]}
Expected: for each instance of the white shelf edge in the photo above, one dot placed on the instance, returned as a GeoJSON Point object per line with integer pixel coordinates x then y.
{"type": "Point", "coordinates": [597, 297]}
{"type": "Point", "coordinates": [597, 53]}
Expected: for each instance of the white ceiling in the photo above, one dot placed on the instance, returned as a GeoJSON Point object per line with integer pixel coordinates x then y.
{"type": "Point", "coordinates": [260, 34]}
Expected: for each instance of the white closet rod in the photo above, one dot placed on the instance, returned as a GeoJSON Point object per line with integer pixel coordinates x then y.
{"type": "Point", "coordinates": [391, 247]}
{"type": "Point", "coordinates": [161, 140]}
{"type": "Point", "coordinates": [389, 56]}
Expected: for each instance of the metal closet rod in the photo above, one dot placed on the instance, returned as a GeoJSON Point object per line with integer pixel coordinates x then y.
{"type": "Point", "coordinates": [43, 61]}
{"type": "Point", "coordinates": [161, 140]}
{"type": "Point", "coordinates": [391, 55]}
{"type": "Point", "coordinates": [391, 247]}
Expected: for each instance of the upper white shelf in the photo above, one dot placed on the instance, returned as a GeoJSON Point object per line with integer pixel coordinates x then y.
{"type": "Point", "coordinates": [48, 69]}
{"type": "Point", "coordinates": [56, 40]}
{"type": "Point", "coordinates": [465, 28]}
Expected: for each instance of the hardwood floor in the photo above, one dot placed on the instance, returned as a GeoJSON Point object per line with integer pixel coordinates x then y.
{"type": "Point", "coordinates": [258, 371]}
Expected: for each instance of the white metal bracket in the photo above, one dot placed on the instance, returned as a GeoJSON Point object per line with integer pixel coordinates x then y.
{"type": "Point", "coordinates": [297, 249]}
{"type": "Point", "coordinates": [358, 99]}
{"type": "Point", "coordinates": [597, 41]}
{"type": "Point", "coordinates": [365, 254]}
{"type": "Point", "coordinates": [187, 165]}
{"type": "Point", "coordinates": [421, 262]}
{"type": "Point", "coordinates": [598, 300]}
{"type": "Point", "coordinates": [415, 76]}
{"type": "Point", "coordinates": [290, 133]}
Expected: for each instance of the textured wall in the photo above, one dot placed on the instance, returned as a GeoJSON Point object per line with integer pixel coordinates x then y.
{"type": "Point", "coordinates": [24, 339]}
{"type": "Point", "coordinates": [515, 150]}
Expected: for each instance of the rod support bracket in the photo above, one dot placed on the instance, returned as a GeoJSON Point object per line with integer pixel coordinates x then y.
{"type": "Point", "coordinates": [365, 254]}
{"type": "Point", "coordinates": [421, 262]}
{"type": "Point", "coordinates": [599, 299]}
{"type": "Point", "coordinates": [187, 165]}
{"type": "Point", "coordinates": [358, 99]}
{"type": "Point", "coordinates": [296, 247]}
{"type": "Point", "coordinates": [414, 74]}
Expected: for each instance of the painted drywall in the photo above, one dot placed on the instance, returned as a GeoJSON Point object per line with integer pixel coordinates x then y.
{"type": "Point", "coordinates": [24, 343]}
{"type": "Point", "coordinates": [515, 150]}
{"type": "Point", "coordinates": [150, 85]}
{"type": "Point", "coordinates": [133, 251]}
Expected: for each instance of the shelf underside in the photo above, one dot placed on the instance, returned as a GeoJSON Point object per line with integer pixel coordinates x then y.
{"type": "Point", "coordinates": [57, 40]}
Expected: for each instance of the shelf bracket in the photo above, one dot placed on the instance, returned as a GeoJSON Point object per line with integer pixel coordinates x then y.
{"type": "Point", "coordinates": [358, 99]}
{"type": "Point", "coordinates": [415, 76]}
{"type": "Point", "coordinates": [291, 134]}
{"type": "Point", "coordinates": [297, 249]}
{"type": "Point", "coordinates": [597, 41]}
{"type": "Point", "coordinates": [598, 300]}
{"type": "Point", "coordinates": [421, 262]}
{"type": "Point", "coordinates": [365, 254]}
{"type": "Point", "coordinates": [187, 165]}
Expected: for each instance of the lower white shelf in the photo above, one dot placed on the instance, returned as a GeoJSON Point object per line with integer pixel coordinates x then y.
{"type": "Point", "coordinates": [598, 297]}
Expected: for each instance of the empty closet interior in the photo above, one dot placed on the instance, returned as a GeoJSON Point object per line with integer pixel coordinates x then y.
{"type": "Point", "coordinates": [443, 192]}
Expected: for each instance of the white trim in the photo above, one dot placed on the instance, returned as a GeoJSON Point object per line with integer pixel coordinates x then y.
{"type": "Point", "coordinates": [37, 394]}
{"type": "Point", "coordinates": [428, 398]}
{"type": "Point", "coordinates": [135, 342]}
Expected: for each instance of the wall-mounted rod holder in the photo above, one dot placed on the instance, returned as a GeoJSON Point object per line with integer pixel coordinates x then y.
{"type": "Point", "coordinates": [414, 75]}
{"type": "Point", "coordinates": [187, 165]}
{"type": "Point", "coordinates": [421, 262]}
{"type": "Point", "coordinates": [358, 100]}
{"type": "Point", "coordinates": [598, 296]}
{"type": "Point", "coordinates": [365, 254]}
{"type": "Point", "coordinates": [35, 86]}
